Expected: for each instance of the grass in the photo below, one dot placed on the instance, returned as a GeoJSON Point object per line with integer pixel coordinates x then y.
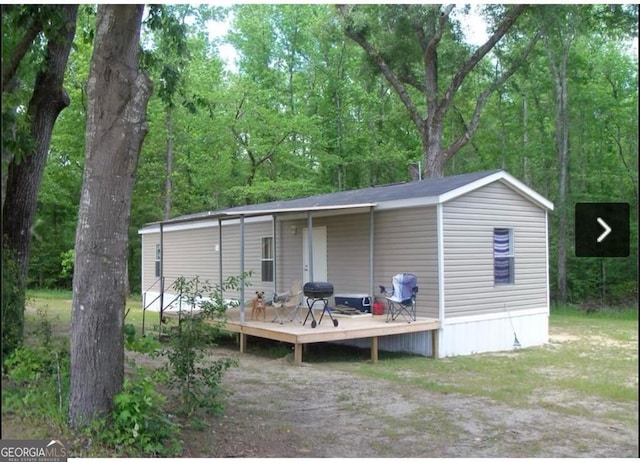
{"type": "Point", "coordinates": [590, 356]}
{"type": "Point", "coordinates": [58, 306]}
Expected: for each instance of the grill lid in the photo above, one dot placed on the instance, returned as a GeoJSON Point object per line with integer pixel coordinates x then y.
{"type": "Point", "coordinates": [318, 289]}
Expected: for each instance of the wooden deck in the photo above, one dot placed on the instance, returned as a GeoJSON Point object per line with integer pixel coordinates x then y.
{"type": "Point", "coordinates": [349, 327]}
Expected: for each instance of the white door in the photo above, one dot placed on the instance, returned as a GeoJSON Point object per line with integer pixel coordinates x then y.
{"type": "Point", "coordinates": [319, 254]}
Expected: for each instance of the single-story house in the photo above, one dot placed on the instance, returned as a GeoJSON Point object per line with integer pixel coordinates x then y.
{"type": "Point", "coordinates": [477, 242]}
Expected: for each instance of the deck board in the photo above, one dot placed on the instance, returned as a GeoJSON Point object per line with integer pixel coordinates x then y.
{"type": "Point", "coordinates": [349, 327]}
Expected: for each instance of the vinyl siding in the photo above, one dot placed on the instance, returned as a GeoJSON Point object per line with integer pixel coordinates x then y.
{"type": "Point", "coordinates": [347, 252]}
{"type": "Point", "coordinates": [192, 252]}
{"type": "Point", "coordinates": [469, 222]}
{"type": "Point", "coordinates": [406, 242]}
{"type": "Point", "coordinates": [148, 276]}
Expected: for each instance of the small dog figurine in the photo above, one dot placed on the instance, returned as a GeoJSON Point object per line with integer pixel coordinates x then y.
{"type": "Point", "coordinates": [258, 306]}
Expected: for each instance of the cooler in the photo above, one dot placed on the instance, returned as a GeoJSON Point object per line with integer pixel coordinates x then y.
{"type": "Point", "coordinates": [361, 302]}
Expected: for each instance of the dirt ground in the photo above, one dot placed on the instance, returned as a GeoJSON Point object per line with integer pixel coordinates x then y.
{"type": "Point", "coordinates": [277, 409]}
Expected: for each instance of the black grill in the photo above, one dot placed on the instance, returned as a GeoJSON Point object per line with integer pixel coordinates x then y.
{"type": "Point", "coordinates": [318, 289]}
{"type": "Point", "coordinates": [318, 292]}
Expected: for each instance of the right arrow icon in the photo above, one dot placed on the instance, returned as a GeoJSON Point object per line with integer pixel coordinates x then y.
{"type": "Point", "coordinates": [607, 230]}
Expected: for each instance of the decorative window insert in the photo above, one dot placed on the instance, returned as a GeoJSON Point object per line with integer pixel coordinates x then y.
{"type": "Point", "coordinates": [503, 259]}
{"type": "Point", "coordinates": [267, 259]}
{"type": "Point", "coordinates": [158, 259]}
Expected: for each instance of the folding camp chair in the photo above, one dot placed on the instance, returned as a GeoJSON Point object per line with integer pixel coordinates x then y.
{"type": "Point", "coordinates": [287, 303]}
{"type": "Point", "coordinates": [402, 298]}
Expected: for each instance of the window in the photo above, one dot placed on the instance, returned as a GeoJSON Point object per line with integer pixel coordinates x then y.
{"type": "Point", "coordinates": [267, 259]}
{"type": "Point", "coordinates": [158, 260]}
{"type": "Point", "coordinates": [503, 267]}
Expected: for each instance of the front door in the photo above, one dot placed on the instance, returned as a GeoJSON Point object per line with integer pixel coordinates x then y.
{"type": "Point", "coordinates": [319, 254]}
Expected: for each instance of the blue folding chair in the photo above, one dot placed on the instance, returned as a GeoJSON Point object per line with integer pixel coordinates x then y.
{"type": "Point", "coordinates": [401, 300]}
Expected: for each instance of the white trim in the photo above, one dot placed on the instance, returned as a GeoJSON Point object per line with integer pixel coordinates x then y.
{"type": "Point", "coordinates": [407, 203]}
{"type": "Point", "coordinates": [505, 178]}
{"type": "Point", "coordinates": [492, 316]}
{"type": "Point", "coordinates": [251, 213]}
{"type": "Point", "coordinates": [142, 269]}
{"type": "Point", "coordinates": [199, 224]}
{"type": "Point", "coordinates": [546, 257]}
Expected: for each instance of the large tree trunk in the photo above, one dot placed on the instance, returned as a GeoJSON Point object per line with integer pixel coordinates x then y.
{"type": "Point", "coordinates": [558, 64]}
{"type": "Point", "coordinates": [116, 127]}
{"type": "Point", "coordinates": [25, 171]}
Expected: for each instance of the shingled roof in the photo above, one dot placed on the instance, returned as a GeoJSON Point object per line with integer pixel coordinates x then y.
{"type": "Point", "coordinates": [436, 188]}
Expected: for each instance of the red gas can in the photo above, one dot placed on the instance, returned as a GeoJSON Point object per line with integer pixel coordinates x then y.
{"type": "Point", "coordinates": [378, 308]}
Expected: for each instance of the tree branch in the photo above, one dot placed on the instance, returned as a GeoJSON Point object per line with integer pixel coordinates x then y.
{"type": "Point", "coordinates": [473, 60]}
{"type": "Point", "coordinates": [484, 96]}
{"type": "Point", "coordinates": [9, 69]}
{"type": "Point", "coordinates": [384, 68]}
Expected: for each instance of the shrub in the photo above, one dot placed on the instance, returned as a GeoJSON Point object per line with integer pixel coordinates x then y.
{"type": "Point", "coordinates": [38, 376]}
{"type": "Point", "coordinates": [12, 303]}
{"type": "Point", "coordinates": [188, 369]}
{"type": "Point", "coordinates": [139, 422]}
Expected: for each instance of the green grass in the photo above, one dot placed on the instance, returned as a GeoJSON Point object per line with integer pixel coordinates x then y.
{"type": "Point", "coordinates": [589, 358]}
{"type": "Point", "coordinates": [58, 306]}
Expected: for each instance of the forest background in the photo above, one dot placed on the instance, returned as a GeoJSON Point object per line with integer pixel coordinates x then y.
{"type": "Point", "coordinates": [303, 111]}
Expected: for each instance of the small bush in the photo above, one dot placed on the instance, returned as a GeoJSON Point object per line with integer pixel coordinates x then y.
{"type": "Point", "coordinates": [188, 369]}
{"type": "Point", "coordinates": [13, 299]}
{"type": "Point", "coordinates": [143, 344]}
{"type": "Point", "coordinates": [139, 424]}
{"type": "Point", "coordinates": [38, 376]}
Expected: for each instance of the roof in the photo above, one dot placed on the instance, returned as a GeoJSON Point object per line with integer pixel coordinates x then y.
{"type": "Point", "coordinates": [424, 192]}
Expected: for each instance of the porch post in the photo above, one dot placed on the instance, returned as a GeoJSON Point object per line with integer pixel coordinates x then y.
{"type": "Point", "coordinates": [275, 255]}
{"type": "Point", "coordinates": [371, 241]}
{"type": "Point", "coordinates": [241, 269]}
{"type": "Point", "coordinates": [220, 278]}
{"type": "Point", "coordinates": [161, 277]}
{"type": "Point", "coordinates": [310, 242]}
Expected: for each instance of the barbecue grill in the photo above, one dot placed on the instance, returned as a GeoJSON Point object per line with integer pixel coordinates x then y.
{"type": "Point", "coordinates": [318, 292]}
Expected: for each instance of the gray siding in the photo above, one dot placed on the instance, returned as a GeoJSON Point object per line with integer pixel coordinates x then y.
{"type": "Point", "coordinates": [405, 242]}
{"type": "Point", "coordinates": [253, 234]}
{"type": "Point", "coordinates": [469, 222]}
{"type": "Point", "coordinates": [347, 252]}
{"type": "Point", "coordinates": [148, 276]}
{"type": "Point", "coordinates": [189, 253]}
{"type": "Point", "coordinates": [192, 252]}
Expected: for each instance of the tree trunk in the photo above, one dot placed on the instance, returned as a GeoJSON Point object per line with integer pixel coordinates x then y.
{"type": "Point", "coordinates": [560, 80]}
{"type": "Point", "coordinates": [25, 172]}
{"type": "Point", "coordinates": [116, 127]}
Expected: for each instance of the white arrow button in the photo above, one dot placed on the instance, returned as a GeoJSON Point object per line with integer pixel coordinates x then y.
{"type": "Point", "coordinates": [607, 230]}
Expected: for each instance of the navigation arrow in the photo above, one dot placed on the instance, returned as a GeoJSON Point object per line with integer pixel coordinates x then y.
{"type": "Point", "coordinates": [607, 230]}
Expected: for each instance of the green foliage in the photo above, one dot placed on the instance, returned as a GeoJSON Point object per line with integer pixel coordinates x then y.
{"type": "Point", "coordinates": [302, 113]}
{"type": "Point", "coordinates": [142, 344]}
{"type": "Point", "coordinates": [139, 423]}
{"type": "Point", "coordinates": [67, 263]}
{"type": "Point", "coordinates": [12, 304]}
{"type": "Point", "coordinates": [189, 369]}
{"type": "Point", "coordinates": [38, 376]}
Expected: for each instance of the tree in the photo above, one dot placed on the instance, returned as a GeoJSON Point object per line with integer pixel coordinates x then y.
{"type": "Point", "coordinates": [25, 169]}
{"type": "Point", "coordinates": [412, 65]}
{"type": "Point", "coordinates": [116, 126]}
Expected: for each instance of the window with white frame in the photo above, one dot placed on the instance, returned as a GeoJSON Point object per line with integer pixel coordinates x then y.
{"type": "Point", "coordinates": [267, 259]}
{"type": "Point", "coordinates": [158, 260]}
{"type": "Point", "coordinates": [503, 259]}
